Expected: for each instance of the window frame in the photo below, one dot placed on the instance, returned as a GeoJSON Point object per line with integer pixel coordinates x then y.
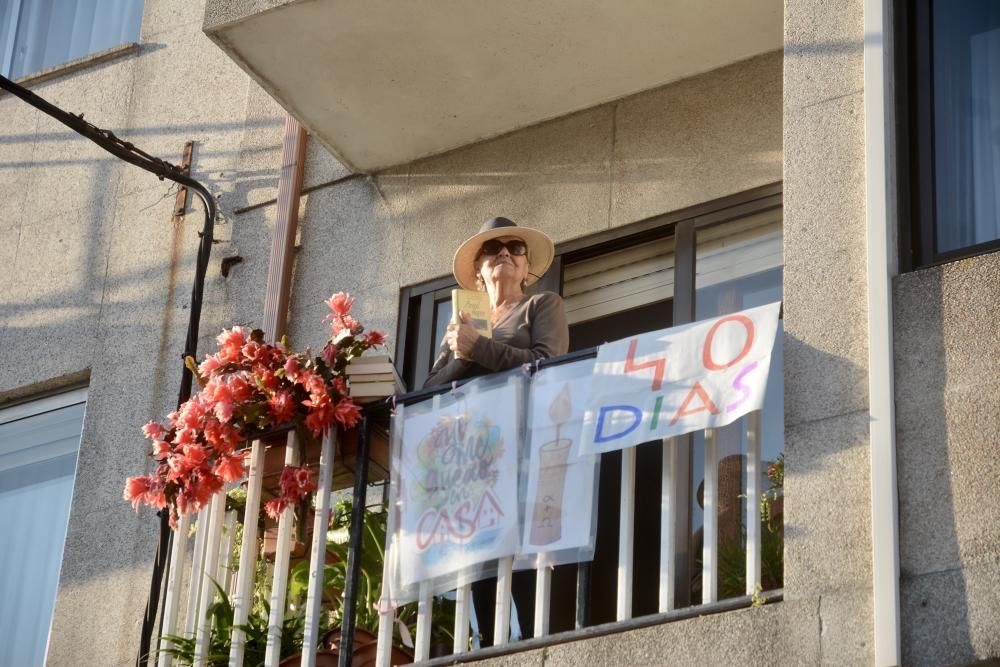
{"type": "Point", "coordinates": [915, 159]}
{"type": "Point", "coordinates": [415, 350]}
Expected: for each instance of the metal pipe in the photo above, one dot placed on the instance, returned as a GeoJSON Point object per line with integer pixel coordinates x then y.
{"type": "Point", "coordinates": [357, 540]}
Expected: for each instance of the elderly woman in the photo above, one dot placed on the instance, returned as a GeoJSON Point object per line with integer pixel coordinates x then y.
{"type": "Point", "coordinates": [502, 260]}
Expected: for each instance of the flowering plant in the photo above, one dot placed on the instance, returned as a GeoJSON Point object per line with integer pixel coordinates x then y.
{"type": "Point", "coordinates": [247, 388]}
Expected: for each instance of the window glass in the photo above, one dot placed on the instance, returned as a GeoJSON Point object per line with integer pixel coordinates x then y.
{"type": "Point", "coordinates": [38, 34]}
{"type": "Point", "coordinates": [966, 70]}
{"type": "Point", "coordinates": [37, 465]}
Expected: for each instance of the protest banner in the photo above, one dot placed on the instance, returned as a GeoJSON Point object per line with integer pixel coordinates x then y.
{"type": "Point", "coordinates": [560, 489]}
{"type": "Point", "coordinates": [664, 383]}
{"type": "Point", "coordinates": [457, 483]}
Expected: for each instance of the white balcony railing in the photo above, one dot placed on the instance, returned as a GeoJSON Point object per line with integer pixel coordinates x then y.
{"type": "Point", "coordinates": [216, 529]}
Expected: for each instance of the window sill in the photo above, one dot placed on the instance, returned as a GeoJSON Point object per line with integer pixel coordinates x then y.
{"type": "Point", "coordinates": [72, 66]}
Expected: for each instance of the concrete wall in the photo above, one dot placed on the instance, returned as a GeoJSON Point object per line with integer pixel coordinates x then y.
{"type": "Point", "coordinates": [827, 495]}
{"type": "Point", "coordinates": [947, 363]}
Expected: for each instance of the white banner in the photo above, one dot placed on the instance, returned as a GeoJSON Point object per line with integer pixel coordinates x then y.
{"type": "Point", "coordinates": [691, 377]}
{"type": "Point", "coordinates": [559, 502]}
{"type": "Point", "coordinates": [458, 484]}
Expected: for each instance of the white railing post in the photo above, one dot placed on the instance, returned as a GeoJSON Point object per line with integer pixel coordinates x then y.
{"type": "Point", "coordinates": [501, 620]}
{"type": "Point", "coordinates": [753, 501]}
{"type": "Point", "coordinates": [386, 614]}
{"type": "Point", "coordinates": [317, 555]}
{"type": "Point", "coordinates": [463, 598]}
{"type": "Point", "coordinates": [422, 642]}
{"type": "Point", "coordinates": [248, 555]}
{"type": "Point", "coordinates": [543, 591]}
{"type": "Point", "coordinates": [216, 513]}
{"type": "Point", "coordinates": [282, 558]}
{"type": "Point", "coordinates": [171, 603]}
{"type": "Point", "coordinates": [194, 594]}
{"type": "Point", "coordinates": [710, 521]}
{"type": "Point", "coordinates": [225, 570]}
{"type": "Point", "coordinates": [626, 530]}
{"type": "Point", "coordinates": [668, 537]}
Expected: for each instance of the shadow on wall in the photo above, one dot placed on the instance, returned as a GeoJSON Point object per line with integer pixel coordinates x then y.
{"type": "Point", "coordinates": [934, 599]}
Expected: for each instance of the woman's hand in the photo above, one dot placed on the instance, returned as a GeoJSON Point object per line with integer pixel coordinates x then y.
{"type": "Point", "coordinates": [462, 337]}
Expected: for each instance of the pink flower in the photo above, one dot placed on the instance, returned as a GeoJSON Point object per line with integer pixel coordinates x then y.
{"type": "Point", "coordinates": [347, 413]}
{"type": "Point", "coordinates": [320, 415]}
{"type": "Point", "coordinates": [240, 389]}
{"type": "Point", "coordinates": [292, 368]}
{"type": "Point", "coordinates": [136, 489]}
{"type": "Point", "coordinates": [153, 431]}
{"type": "Point", "coordinates": [340, 305]}
{"type": "Point", "coordinates": [231, 343]}
{"type": "Point", "coordinates": [281, 406]}
{"type": "Point", "coordinates": [212, 363]}
{"type": "Point", "coordinates": [329, 355]}
{"type": "Point", "coordinates": [374, 337]}
{"type": "Point", "coordinates": [255, 352]}
{"type": "Point", "coordinates": [275, 507]}
{"type": "Point", "coordinates": [266, 379]}
{"type": "Point", "coordinates": [230, 468]}
{"type": "Point", "coordinates": [160, 450]}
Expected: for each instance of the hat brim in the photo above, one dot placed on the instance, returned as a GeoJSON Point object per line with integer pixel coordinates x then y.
{"type": "Point", "coordinates": [541, 250]}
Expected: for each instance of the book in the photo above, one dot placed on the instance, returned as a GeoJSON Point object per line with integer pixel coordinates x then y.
{"type": "Point", "coordinates": [370, 359]}
{"type": "Point", "coordinates": [477, 305]}
{"type": "Point", "coordinates": [374, 390]}
{"type": "Point", "coordinates": [359, 370]}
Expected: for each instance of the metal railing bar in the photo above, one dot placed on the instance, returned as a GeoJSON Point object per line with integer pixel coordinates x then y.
{"type": "Point", "coordinates": [543, 591]}
{"type": "Point", "coordinates": [171, 602]}
{"type": "Point", "coordinates": [216, 513]}
{"type": "Point", "coordinates": [317, 554]}
{"type": "Point", "coordinates": [282, 559]}
{"type": "Point", "coordinates": [200, 525]}
{"type": "Point", "coordinates": [356, 542]}
{"type": "Point", "coordinates": [248, 555]}
{"type": "Point", "coordinates": [626, 534]}
{"type": "Point", "coordinates": [501, 618]}
{"type": "Point", "coordinates": [668, 534]}
{"type": "Point", "coordinates": [753, 501]}
{"type": "Point", "coordinates": [582, 616]}
{"type": "Point", "coordinates": [722, 606]}
{"type": "Point", "coordinates": [710, 520]}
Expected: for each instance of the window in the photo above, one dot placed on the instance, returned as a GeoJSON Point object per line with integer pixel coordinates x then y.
{"type": "Point", "coordinates": [38, 34]}
{"type": "Point", "coordinates": [39, 442]}
{"type": "Point", "coordinates": [950, 65]}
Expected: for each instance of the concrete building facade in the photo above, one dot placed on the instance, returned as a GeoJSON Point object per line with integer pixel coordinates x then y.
{"type": "Point", "coordinates": [101, 274]}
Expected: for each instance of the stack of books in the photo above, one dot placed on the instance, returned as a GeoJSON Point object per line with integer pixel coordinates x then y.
{"type": "Point", "coordinates": [373, 377]}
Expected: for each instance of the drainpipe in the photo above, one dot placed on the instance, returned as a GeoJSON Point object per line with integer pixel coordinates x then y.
{"type": "Point", "coordinates": [882, 266]}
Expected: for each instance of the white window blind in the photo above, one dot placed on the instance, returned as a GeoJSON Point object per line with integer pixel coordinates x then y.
{"type": "Point", "coordinates": [38, 34]}
{"type": "Point", "coordinates": [39, 443]}
{"type": "Point", "coordinates": [642, 274]}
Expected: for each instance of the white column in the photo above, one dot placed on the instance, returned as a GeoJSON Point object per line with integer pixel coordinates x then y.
{"type": "Point", "coordinates": [317, 555]}
{"type": "Point", "coordinates": [171, 603]}
{"type": "Point", "coordinates": [197, 570]}
{"type": "Point", "coordinates": [710, 522]}
{"type": "Point", "coordinates": [543, 591]}
{"type": "Point", "coordinates": [216, 514]}
{"type": "Point", "coordinates": [425, 608]}
{"type": "Point", "coordinates": [248, 555]}
{"type": "Point", "coordinates": [282, 558]}
{"type": "Point", "coordinates": [626, 530]}
{"type": "Point", "coordinates": [880, 218]}
{"type": "Point", "coordinates": [463, 598]}
{"type": "Point", "coordinates": [753, 501]}
{"type": "Point", "coordinates": [668, 538]}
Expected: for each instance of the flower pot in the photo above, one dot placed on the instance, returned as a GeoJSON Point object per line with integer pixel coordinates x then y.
{"type": "Point", "coordinates": [362, 654]}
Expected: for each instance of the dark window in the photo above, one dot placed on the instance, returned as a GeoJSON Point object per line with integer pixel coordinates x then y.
{"type": "Point", "coordinates": [950, 64]}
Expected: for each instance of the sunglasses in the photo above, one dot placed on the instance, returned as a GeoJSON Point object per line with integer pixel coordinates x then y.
{"type": "Point", "coordinates": [515, 247]}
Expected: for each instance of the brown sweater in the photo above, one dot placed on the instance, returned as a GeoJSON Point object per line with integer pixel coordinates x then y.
{"type": "Point", "coordinates": [533, 329]}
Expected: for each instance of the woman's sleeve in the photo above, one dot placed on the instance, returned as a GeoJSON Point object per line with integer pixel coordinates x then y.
{"type": "Point", "coordinates": [549, 337]}
{"type": "Point", "coordinates": [446, 367]}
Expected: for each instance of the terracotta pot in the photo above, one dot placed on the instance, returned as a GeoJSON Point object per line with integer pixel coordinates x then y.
{"type": "Point", "coordinates": [362, 655]}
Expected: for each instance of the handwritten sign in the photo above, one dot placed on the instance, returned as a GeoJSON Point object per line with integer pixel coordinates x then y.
{"type": "Point", "coordinates": [691, 377]}
{"type": "Point", "coordinates": [458, 485]}
{"type": "Point", "coordinates": [559, 495]}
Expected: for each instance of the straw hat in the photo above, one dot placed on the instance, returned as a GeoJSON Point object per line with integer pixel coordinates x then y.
{"type": "Point", "coordinates": [540, 250]}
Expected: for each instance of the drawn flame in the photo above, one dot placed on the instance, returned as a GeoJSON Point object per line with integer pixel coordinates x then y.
{"type": "Point", "coordinates": [562, 407]}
